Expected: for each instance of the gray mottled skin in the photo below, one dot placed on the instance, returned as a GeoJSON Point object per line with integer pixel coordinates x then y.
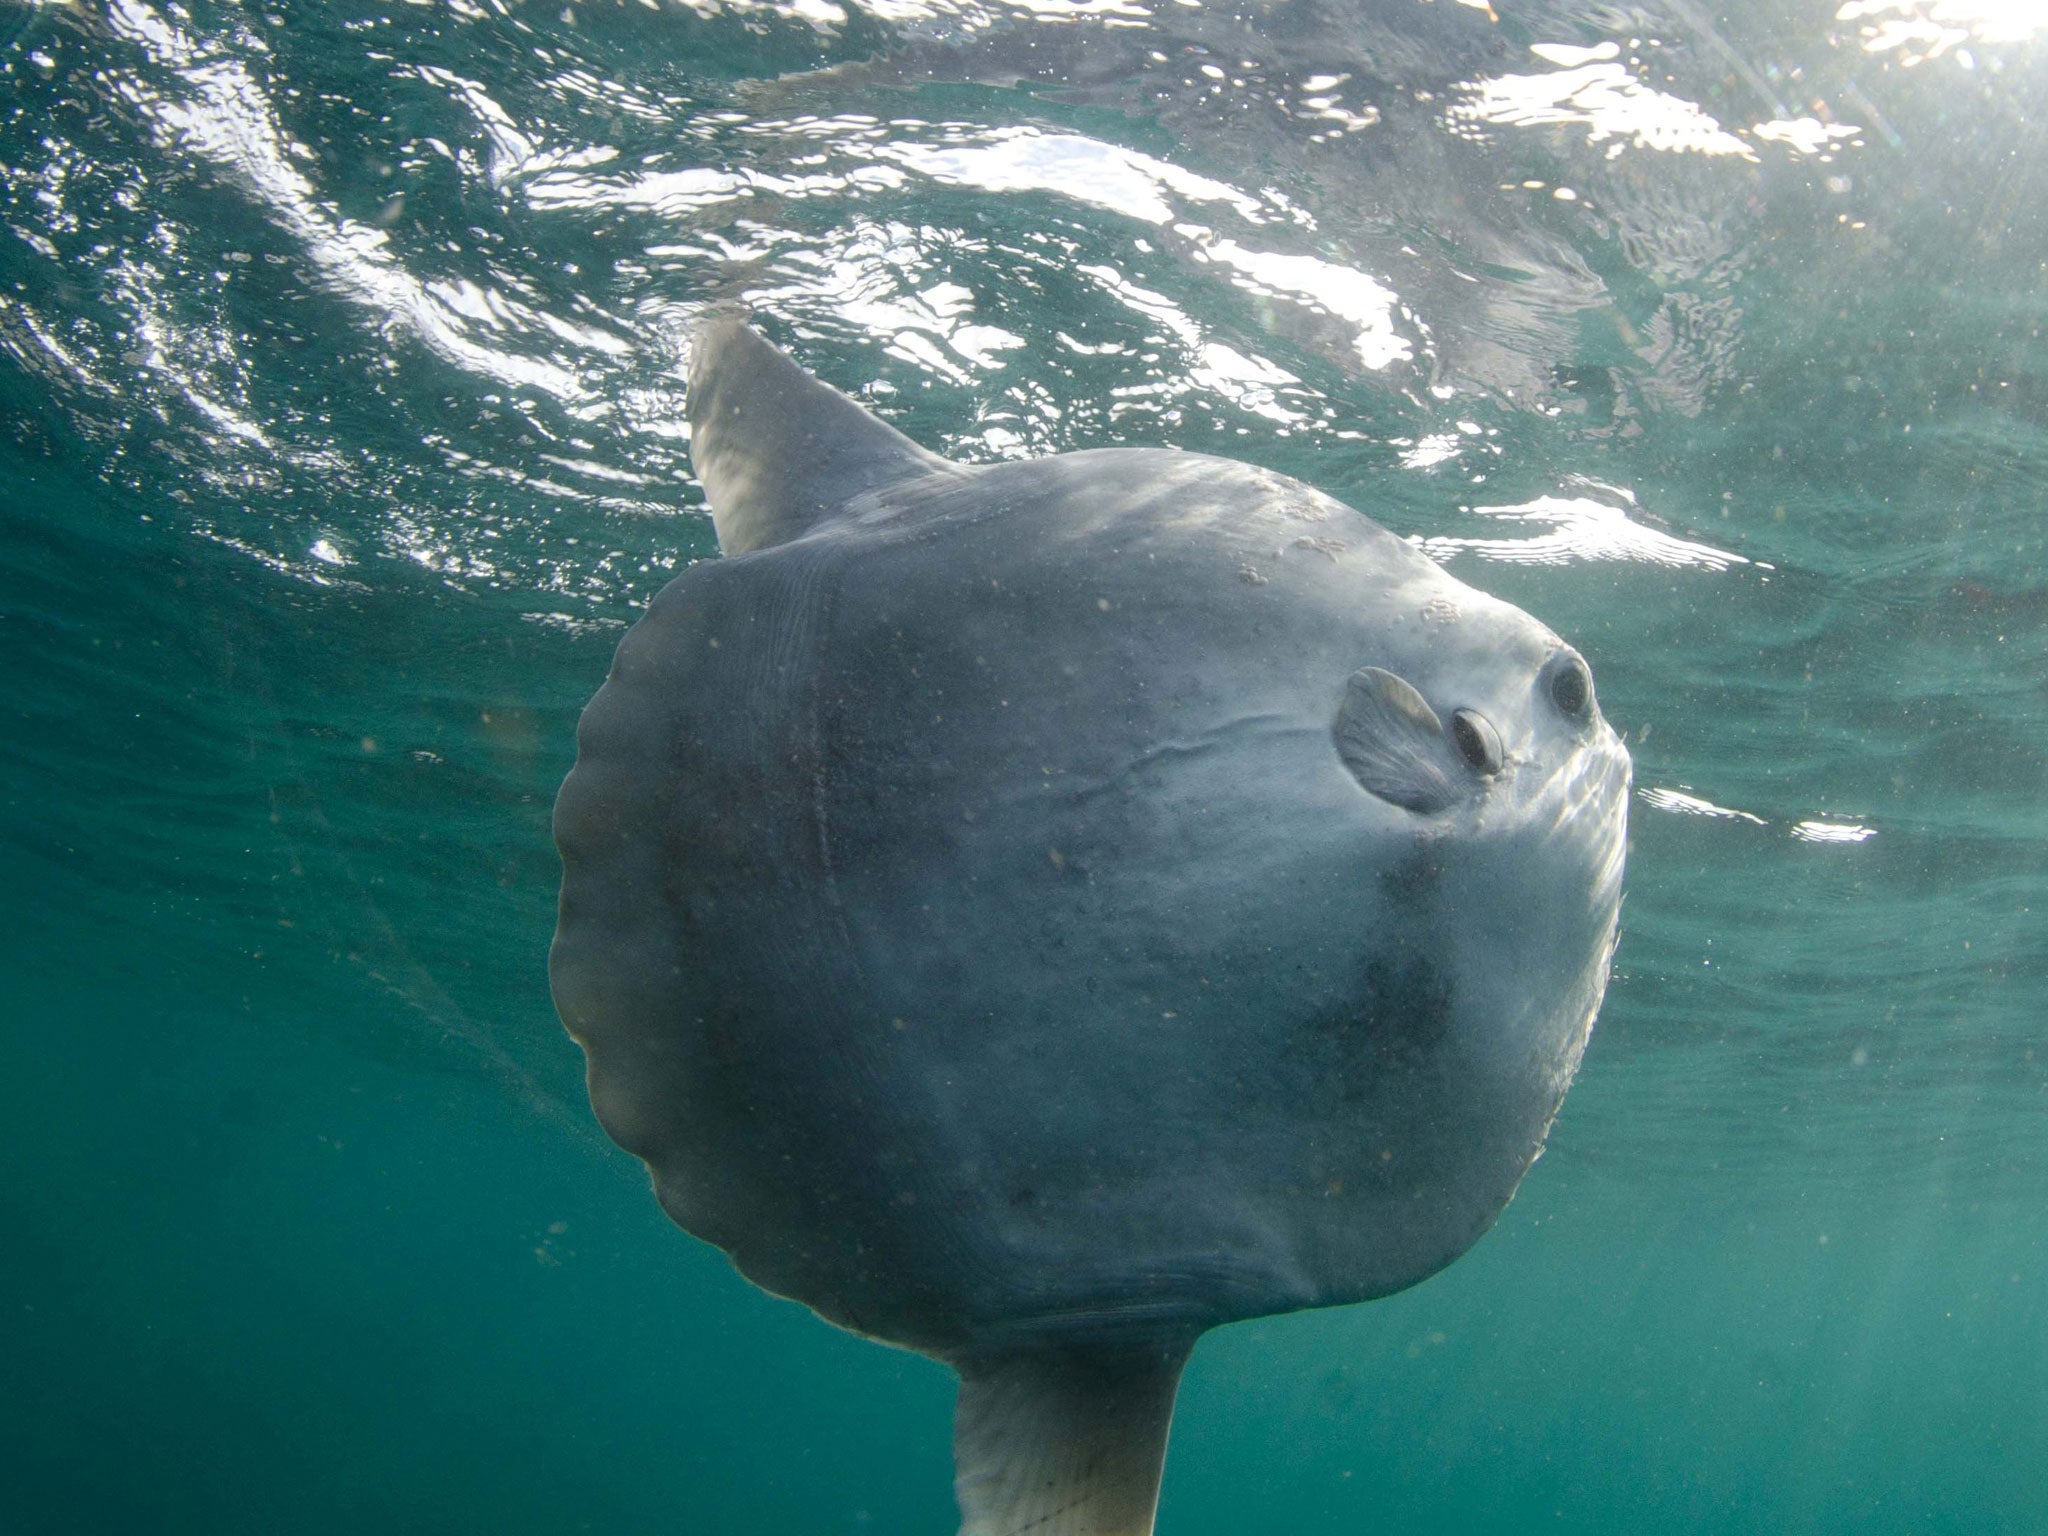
{"type": "Point", "coordinates": [994, 905]}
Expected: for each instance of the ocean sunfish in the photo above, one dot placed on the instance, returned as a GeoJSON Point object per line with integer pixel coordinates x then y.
{"type": "Point", "coordinates": [1032, 913]}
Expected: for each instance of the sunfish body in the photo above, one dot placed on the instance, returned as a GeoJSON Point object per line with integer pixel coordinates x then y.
{"type": "Point", "coordinates": [1035, 912]}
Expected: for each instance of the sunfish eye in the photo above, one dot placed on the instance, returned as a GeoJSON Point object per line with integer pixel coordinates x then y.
{"type": "Point", "coordinates": [1477, 741]}
{"type": "Point", "coordinates": [1571, 687]}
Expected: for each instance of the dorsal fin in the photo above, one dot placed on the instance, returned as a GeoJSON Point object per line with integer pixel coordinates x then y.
{"type": "Point", "coordinates": [1064, 1440]}
{"type": "Point", "coordinates": [777, 451]}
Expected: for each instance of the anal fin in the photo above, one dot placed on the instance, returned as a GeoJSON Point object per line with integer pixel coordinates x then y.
{"type": "Point", "coordinates": [1064, 1441]}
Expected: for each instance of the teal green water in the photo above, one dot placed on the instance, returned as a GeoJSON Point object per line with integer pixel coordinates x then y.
{"type": "Point", "coordinates": [339, 358]}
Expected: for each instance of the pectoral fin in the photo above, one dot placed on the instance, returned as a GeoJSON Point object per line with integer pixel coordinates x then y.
{"type": "Point", "coordinates": [1394, 744]}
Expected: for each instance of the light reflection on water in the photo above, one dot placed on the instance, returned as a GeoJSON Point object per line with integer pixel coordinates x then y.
{"type": "Point", "coordinates": [1580, 528]}
{"type": "Point", "coordinates": [1607, 99]}
{"type": "Point", "coordinates": [1915, 31]}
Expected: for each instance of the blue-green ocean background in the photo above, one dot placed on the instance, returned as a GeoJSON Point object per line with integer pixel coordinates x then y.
{"type": "Point", "coordinates": [340, 363]}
